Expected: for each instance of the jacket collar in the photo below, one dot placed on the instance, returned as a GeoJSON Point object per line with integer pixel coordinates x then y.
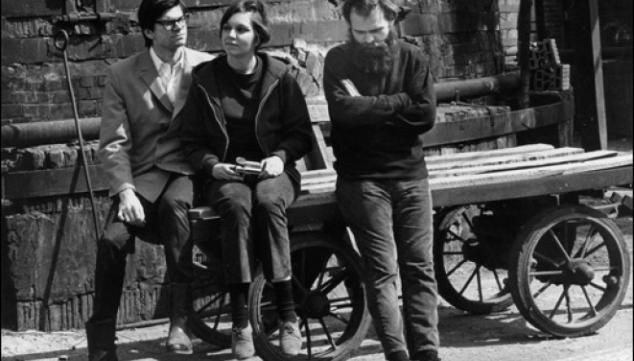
{"type": "Point", "coordinates": [147, 72]}
{"type": "Point", "coordinates": [272, 70]}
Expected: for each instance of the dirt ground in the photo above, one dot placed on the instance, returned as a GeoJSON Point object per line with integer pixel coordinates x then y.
{"type": "Point", "coordinates": [504, 336]}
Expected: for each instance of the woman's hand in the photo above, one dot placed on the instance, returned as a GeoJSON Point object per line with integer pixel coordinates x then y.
{"type": "Point", "coordinates": [226, 171]}
{"type": "Point", "coordinates": [272, 167]}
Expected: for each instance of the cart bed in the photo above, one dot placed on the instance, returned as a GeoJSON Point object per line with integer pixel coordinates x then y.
{"type": "Point", "coordinates": [481, 176]}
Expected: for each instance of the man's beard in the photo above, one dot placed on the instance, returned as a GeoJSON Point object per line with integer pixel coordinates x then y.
{"type": "Point", "coordinates": [375, 59]}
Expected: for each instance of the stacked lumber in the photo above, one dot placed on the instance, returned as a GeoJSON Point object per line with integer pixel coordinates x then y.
{"type": "Point", "coordinates": [546, 70]}
{"type": "Point", "coordinates": [467, 169]}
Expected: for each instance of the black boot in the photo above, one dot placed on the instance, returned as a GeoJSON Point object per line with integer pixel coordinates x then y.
{"type": "Point", "coordinates": [101, 336]}
{"type": "Point", "coordinates": [178, 339]}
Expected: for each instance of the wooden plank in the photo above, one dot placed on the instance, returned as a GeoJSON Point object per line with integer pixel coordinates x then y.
{"type": "Point", "coordinates": [466, 156]}
{"type": "Point", "coordinates": [496, 125]}
{"type": "Point", "coordinates": [325, 161]}
{"type": "Point", "coordinates": [533, 163]}
{"type": "Point", "coordinates": [532, 173]}
{"type": "Point", "coordinates": [316, 158]}
{"type": "Point", "coordinates": [313, 173]}
{"type": "Point", "coordinates": [318, 113]}
{"type": "Point", "coordinates": [311, 182]}
{"type": "Point", "coordinates": [558, 184]}
{"type": "Point", "coordinates": [512, 158]}
{"type": "Point", "coordinates": [51, 182]}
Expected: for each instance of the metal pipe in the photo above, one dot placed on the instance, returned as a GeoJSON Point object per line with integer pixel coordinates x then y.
{"type": "Point", "coordinates": [75, 17]}
{"type": "Point", "coordinates": [51, 132]}
{"type": "Point", "coordinates": [471, 88]}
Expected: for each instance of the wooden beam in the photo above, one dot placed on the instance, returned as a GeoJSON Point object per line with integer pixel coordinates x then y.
{"type": "Point", "coordinates": [51, 182]}
{"type": "Point", "coordinates": [589, 75]}
{"type": "Point", "coordinates": [523, 44]}
{"type": "Point", "coordinates": [495, 125]}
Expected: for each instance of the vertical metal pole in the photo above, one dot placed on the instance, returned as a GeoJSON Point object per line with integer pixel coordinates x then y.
{"type": "Point", "coordinates": [80, 137]}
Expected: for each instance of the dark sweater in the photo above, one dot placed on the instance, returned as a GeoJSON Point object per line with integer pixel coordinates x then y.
{"type": "Point", "coordinates": [239, 99]}
{"type": "Point", "coordinates": [378, 135]}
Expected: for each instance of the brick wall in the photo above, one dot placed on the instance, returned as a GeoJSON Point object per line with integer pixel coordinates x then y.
{"type": "Point", "coordinates": [464, 39]}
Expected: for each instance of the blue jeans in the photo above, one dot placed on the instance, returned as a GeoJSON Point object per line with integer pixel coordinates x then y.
{"type": "Point", "coordinates": [254, 217]}
{"type": "Point", "coordinates": [392, 224]}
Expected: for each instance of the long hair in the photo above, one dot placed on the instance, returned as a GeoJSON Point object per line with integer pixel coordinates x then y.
{"type": "Point", "coordinates": [259, 21]}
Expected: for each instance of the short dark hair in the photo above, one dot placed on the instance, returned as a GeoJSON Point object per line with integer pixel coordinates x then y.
{"type": "Point", "coordinates": [152, 10]}
{"type": "Point", "coordinates": [365, 7]}
{"type": "Point", "coordinates": [259, 21]}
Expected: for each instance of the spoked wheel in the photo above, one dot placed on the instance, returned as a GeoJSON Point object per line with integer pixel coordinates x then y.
{"type": "Point", "coordinates": [570, 271]}
{"type": "Point", "coordinates": [330, 301]}
{"type": "Point", "coordinates": [211, 317]}
{"type": "Point", "coordinates": [468, 269]}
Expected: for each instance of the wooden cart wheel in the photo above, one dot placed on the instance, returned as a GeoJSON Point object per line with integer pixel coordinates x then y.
{"type": "Point", "coordinates": [570, 270]}
{"type": "Point", "coordinates": [211, 317]}
{"type": "Point", "coordinates": [330, 299]}
{"type": "Point", "coordinates": [467, 266]}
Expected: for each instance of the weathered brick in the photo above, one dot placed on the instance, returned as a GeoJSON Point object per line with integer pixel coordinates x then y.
{"type": "Point", "coordinates": [87, 108]}
{"type": "Point", "coordinates": [32, 159]}
{"type": "Point", "coordinates": [24, 50]}
{"type": "Point", "coordinates": [86, 81]}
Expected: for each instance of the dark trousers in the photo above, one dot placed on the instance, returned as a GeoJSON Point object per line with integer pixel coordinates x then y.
{"type": "Point", "coordinates": [392, 224]}
{"type": "Point", "coordinates": [167, 222]}
{"type": "Point", "coordinates": [254, 217]}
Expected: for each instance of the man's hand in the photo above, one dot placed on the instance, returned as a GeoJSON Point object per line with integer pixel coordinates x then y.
{"type": "Point", "coordinates": [272, 167]}
{"type": "Point", "coordinates": [226, 171]}
{"type": "Point", "coordinates": [130, 208]}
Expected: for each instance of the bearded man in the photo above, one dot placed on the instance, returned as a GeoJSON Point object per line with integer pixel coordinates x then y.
{"type": "Point", "coordinates": [381, 100]}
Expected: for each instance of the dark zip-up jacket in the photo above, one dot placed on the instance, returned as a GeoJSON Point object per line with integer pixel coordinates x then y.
{"type": "Point", "coordinates": [282, 123]}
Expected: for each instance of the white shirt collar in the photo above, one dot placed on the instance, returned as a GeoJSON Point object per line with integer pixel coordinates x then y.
{"type": "Point", "coordinates": [158, 62]}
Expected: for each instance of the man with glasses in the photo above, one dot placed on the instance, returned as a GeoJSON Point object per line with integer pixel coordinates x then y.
{"type": "Point", "coordinates": [149, 179]}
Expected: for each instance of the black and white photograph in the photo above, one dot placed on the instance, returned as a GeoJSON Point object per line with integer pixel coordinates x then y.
{"type": "Point", "coordinates": [317, 180]}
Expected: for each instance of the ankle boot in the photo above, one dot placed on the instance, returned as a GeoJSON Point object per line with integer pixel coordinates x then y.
{"type": "Point", "coordinates": [100, 336]}
{"type": "Point", "coordinates": [178, 339]}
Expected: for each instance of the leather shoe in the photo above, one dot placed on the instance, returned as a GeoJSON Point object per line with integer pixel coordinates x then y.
{"type": "Point", "coordinates": [426, 355]}
{"type": "Point", "coordinates": [242, 342]}
{"type": "Point", "coordinates": [101, 340]}
{"type": "Point", "coordinates": [178, 340]}
{"type": "Point", "coordinates": [290, 338]}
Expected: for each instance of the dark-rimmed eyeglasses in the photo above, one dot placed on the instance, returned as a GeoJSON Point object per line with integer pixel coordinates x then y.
{"type": "Point", "coordinates": [171, 24]}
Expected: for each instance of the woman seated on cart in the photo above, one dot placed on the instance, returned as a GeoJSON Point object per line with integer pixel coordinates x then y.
{"type": "Point", "coordinates": [246, 104]}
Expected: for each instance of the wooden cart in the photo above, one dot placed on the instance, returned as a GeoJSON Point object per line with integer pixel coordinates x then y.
{"type": "Point", "coordinates": [510, 226]}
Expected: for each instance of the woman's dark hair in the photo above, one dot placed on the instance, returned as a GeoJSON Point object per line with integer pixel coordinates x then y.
{"type": "Point", "coordinates": [365, 7]}
{"type": "Point", "coordinates": [259, 20]}
{"type": "Point", "coordinates": [151, 10]}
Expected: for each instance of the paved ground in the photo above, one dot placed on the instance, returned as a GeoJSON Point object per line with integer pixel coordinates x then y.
{"type": "Point", "coordinates": [504, 336]}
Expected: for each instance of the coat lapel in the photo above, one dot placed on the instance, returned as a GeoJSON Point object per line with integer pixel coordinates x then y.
{"type": "Point", "coordinates": [185, 83]}
{"type": "Point", "coordinates": [150, 76]}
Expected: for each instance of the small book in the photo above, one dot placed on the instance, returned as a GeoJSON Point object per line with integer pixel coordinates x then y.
{"type": "Point", "coordinates": [350, 88]}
